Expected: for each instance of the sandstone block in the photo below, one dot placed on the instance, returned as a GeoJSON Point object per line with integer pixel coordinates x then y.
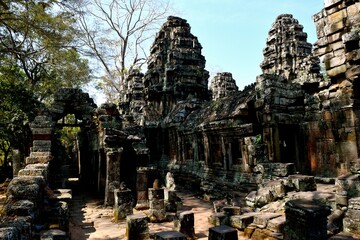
{"type": "Point", "coordinates": [331, 3]}
{"type": "Point", "coordinates": [277, 224]}
{"type": "Point", "coordinates": [184, 223]}
{"type": "Point", "coordinates": [218, 219]}
{"type": "Point", "coordinates": [27, 188]}
{"type": "Point", "coordinates": [170, 235]}
{"type": "Point", "coordinates": [223, 233]}
{"type": "Point", "coordinates": [261, 220]}
{"type": "Point", "coordinates": [303, 182]}
{"type": "Point", "coordinates": [123, 204]}
{"type": "Point", "coordinates": [242, 221]}
{"type": "Point", "coordinates": [137, 227]}
{"type": "Point", "coordinates": [305, 219]}
{"type": "Point", "coordinates": [54, 234]}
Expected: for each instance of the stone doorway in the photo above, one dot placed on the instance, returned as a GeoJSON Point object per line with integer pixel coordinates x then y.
{"type": "Point", "coordinates": [291, 146]}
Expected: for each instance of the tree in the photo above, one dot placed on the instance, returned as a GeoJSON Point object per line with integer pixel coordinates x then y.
{"type": "Point", "coordinates": [118, 33]}
{"type": "Point", "coordinates": [38, 56]}
{"type": "Point", "coordinates": [37, 37]}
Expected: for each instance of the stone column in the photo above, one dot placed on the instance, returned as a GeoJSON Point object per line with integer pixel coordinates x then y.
{"type": "Point", "coordinates": [113, 159]}
{"type": "Point", "coordinates": [123, 204]}
{"type": "Point", "coordinates": [184, 223]}
{"type": "Point", "coordinates": [305, 219]}
{"type": "Point", "coordinates": [142, 189]}
{"type": "Point", "coordinates": [16, 162]}
{"type": "Point", "coordinates": [157, 205]}
{"type": "Point", "coordinates": [137, 227]}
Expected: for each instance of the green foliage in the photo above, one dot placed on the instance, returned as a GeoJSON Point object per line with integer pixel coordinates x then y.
{"type": "Point", "coordinates": [38, 56]}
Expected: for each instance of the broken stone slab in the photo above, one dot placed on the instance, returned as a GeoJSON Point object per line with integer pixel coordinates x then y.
{"type": "Point", "coordinates": [223, 232]}
{"type": "Point", "coordinates": [278, 169]}
{"type": "Point", "coordinates": [266, 234]}
{"type": "Point", "coordinates": [261, 220]}
{"type": "Point", "coordinates": [231, 210]}
{"type": "Point", "coordinates": [218, 219]}
{"type": "Point", "coordinates": [276, 187]}
{"type": "Point", "coordinates": [305, 219]}
{"type": "Point", "coordinates": [249, 230]}
{"type": "Point", "coordinates": [242, 221]}
{"type": "Point", "coordinates": [170, 235]}
{"type": "Point", "coordinates": [348, 185]}
{"type": "Point", "coordinates": [303, 183]}
{"type": "Point", "coordinates": [259, 198]}
{"type": "Point", "coordinates": [54, 234]}
{"type": "Point", "coordinates": [277, 224]}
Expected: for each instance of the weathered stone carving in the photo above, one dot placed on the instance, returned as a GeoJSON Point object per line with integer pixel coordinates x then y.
{"type": "Point", "coordinates": [223, 85]}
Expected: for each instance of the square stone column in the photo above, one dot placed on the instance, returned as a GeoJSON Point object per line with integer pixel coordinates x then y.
{"type": "Point", "coordinates": [305, 219]}
{"type": "Point", "coordinates": [157, 206]}
{"type": "Point", "coordinates": [137, 227]}
{"type": "Point", "coordinates": [123, 204]}
{"type": "Point", "coordinates": [142, 201]}
{"type": "Point", "coordinates": [113, 159]}
{"type": "Point", "coordinates": [184, 223]}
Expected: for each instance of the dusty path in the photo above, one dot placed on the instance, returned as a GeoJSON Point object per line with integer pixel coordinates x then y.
{"type": "Point", "coordinates": [89, 220]}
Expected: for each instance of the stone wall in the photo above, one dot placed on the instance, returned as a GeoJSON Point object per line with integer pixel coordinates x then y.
{"type": "Point", "coordinates": [332, 106]}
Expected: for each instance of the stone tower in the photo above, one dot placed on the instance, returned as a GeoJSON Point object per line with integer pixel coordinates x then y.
{"type": "Point", "coordinates": [286, 48]}
{"type": "Point", "coordinates": [223, 85]}
{"type": "Point", "coordinates": [176, 68]}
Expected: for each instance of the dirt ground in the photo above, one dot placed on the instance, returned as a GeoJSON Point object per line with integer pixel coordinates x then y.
{"type": "Point", "coordinates": [90, 220]}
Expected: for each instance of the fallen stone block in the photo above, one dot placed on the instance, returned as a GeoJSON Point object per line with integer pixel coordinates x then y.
{"type": "Point", "coordinates": [261, 220]}
{"type": "Point", "coordinates": [348, 185]}
{"type": "Point", "coordinates": [303, 183]}
{"type": "Point", "coordinates": [259, 198]}
{"type": "Point", "coordinates": [123, 204]}
{"type": "Point", "coordinates": [170, 235]}
{"type": "Point", "coordinates": [223, 233]}
{"type": "Point", "coordinates": [277, 224]}
{"type": "Point", "coordinates": [54, 234]}
{"type": "Point", "coordinates": [265, 234]}
{"type": "Point", "coordinates": [276, 187]}
{"type": "Point", "coordinates": [217, 219]}
{"type": "Point", "coordinates": [242, 221]}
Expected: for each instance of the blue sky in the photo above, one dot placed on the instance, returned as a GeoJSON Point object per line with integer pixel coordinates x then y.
{"type": "Point", "coordinates": [233, 32]}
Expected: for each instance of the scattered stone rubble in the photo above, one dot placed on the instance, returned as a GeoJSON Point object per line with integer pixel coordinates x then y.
{"type": "Point", "coordinates": [258, 149]}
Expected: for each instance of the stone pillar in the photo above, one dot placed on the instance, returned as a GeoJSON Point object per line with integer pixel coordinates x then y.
{"type": "Point", "coordinates": [137, 227]}
{"type": "Point", "coordinates": [123, 204]}
{"type": "Point", "coordinates": [223, 233]}
{"type": "Point", "coordinates": [113, 159]}
{"type": "Point", "coordinates": [142, 201]}
{"type": "Point", "coordinates": [305, 219]}
{"type": "Point", "coordinates": [16, 162]}
{"type": "Point", "coordinates": [170, 200]}
{"type": "Point", "coordinates": [157, 205]}
{"type": "Point", "coordinates": [184, 223]}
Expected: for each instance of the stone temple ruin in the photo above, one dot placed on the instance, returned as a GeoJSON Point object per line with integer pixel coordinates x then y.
{"type": "Point", "coordinates": [296, 127]}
